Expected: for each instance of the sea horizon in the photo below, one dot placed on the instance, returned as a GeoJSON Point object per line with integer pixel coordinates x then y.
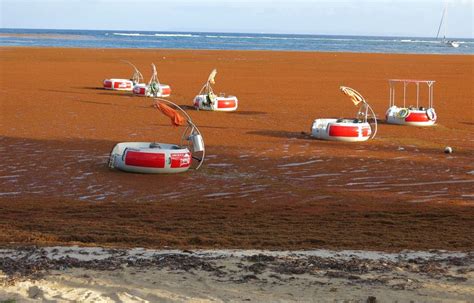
{"type": "Point", "coordinates": [225, 32]}
{"type": "Point", "coordinates": [146, 39]}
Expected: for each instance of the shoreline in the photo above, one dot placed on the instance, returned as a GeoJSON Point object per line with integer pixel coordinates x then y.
{"type": "Point", "coordinates": [31, 273]}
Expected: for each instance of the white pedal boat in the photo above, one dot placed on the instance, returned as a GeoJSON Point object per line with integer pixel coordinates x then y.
{"type": "Point", "coordinates": [144, 90]}
{"type": "Point", "coordinates": [347, 130]}
{"type": "Point", "coordinates": [216, 103]}
{"type": "Point", "coordinates": [207, 100]}
{"type": "Point", "coordinates": [150, 157]}
{"type": "Point", "coordinates": [154, 88]}
{"type": "Point", "coordinates": [124, 84]}
{"type": "Point", "coordinates": [118, 84]}
{"type": "Point", "coordinates": [161, 158]}
{"type": "Point", "coordinates": [411, 115]}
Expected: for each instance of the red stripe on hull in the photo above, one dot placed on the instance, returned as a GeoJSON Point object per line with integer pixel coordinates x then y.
{"type": "Point", "coordinates": [417, 117]}
{"type": "Point", "coordinates": [166, 91]}
{"type": "Point", "coordinates": [343, 131]}
{"type": "Point", "coordinates": [122, 85]}
{"type": "Point", "coordinates": [142, 159]}
{"type": "Point", "coordinates": [225, 103]}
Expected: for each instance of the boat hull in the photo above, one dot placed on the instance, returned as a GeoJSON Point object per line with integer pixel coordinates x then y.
{"type": "Point", "coordinates": [407, 116]}
{"type": "Point", "coordinates": [346, 130]}
{"type": "Point", "coordinates": [454, 44]}
{"type": "Point", "coordinates": [150, 158]}
{"type": "Point", "coordinates": [143, 91]}
{"type": "Point", "coordinates": [223, 104]}
{"type": "Point", "coordinates": [118, 84]}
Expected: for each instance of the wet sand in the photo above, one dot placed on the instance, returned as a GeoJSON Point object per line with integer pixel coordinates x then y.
{"type": "Point", "coordinates": [265, 183]}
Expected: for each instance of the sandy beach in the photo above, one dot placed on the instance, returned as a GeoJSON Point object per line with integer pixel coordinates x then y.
{"type": "Point", "coordinates": [139, 275]}
{"type": "Point", "coordinates": [265, 183]}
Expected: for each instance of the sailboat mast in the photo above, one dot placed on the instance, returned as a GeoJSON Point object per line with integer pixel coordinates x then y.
{"type": "Point", "coordinates": [445, 21]}
{"type": "Point", "coordinates": [441, 23]}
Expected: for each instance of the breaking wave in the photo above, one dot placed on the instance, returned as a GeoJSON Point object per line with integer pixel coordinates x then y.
{"type": "Point", "coordinates": [154, 35]}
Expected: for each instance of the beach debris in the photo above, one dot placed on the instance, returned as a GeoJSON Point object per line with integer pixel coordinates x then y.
{"type": "Point", "coordinates": [206, 99]}
{"type": "Point", "coordinates": [260, 258]}
{"type": "Point", "coordinates": [399, 272]}
{"type": "Point", "coordinates": [371, 299]}
{"type": "Point", "coordinates": [417, 115]}
{"type": "Point", "coordinates": [448, 150]}
{"type": "Point", "coordinates": [257, 268]}
{"type": "Point", "coordinates": [361, 128]}
{"type": "Point", "coordinates": [34, 292]}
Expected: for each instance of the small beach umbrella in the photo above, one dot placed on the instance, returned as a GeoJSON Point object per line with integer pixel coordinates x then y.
{"type": "Point", "coordinates": [212, 76]}
{"type": "Point", "coordinates": [176, 118]}
{"type": "Point", "coordinates": [355, 96]}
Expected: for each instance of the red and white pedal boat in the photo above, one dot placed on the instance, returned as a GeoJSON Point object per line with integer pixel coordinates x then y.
{"type": "Point", "coordinates": [154, 88]}
{"type": "Point", "coordinates": [118, 84]}
{"type": "Point", "coordinates": [150, 157]}
{"type": "Point", "coordinates": [216, 103]}
{"type": "Point", "coordinates": [162, 158]}
{"type": "Point", "coordinates": [124, 84]}
{"type": "Point", "coordinates": [207, 100]}
{"type": "Point", "coordinates": [348, 130]}
{"type": "Point", "coordinates": [144, 90]}
{"type": "Point", "coordinates": [411, 115]}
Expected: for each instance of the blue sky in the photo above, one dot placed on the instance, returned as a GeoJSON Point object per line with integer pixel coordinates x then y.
{"type": "Point", "coordinates": [338, 17]}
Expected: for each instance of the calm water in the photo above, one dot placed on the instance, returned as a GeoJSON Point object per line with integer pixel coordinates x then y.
{"type": "Point", "coordinates": [236, 41]}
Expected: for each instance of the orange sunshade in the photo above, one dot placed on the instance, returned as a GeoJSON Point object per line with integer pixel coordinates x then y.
{"type": "Point", "coordinates": [176, 118]}
{"type": "Point", "coordinates": [355, 96]}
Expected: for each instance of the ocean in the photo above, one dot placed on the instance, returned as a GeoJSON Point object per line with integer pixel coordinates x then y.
{"type": "Point", "coordinates": [228, 41]}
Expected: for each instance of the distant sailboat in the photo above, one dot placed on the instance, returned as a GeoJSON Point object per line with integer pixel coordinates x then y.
{"type": "Point", "coordinates": [451, 43]}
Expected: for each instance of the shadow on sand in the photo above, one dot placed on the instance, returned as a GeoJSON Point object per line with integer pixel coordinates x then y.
{"type": "Point", "coordinates": [248, 113]}
{"type": "Point", "coordinates": [239, 112]}
{"type": "Point", "coordinates": [281, 134]}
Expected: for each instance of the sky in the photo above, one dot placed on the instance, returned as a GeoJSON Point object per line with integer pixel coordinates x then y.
{"type": "Point", "coordinates": [419, 18]}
